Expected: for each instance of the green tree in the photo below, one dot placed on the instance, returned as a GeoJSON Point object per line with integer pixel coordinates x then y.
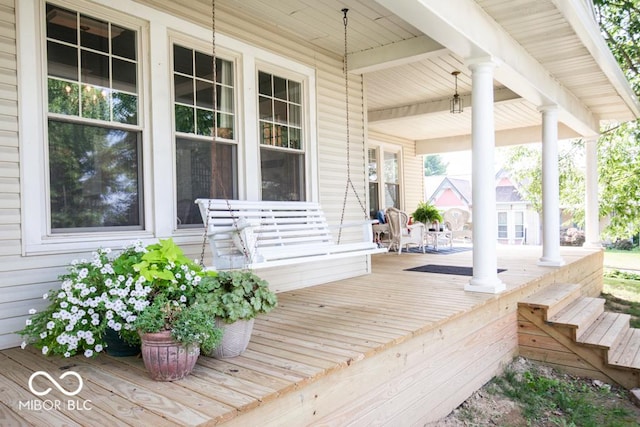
{"type": "Point", "coordinates": [433, 165]}
{"type": "Point", "coordinates": [523, 163]}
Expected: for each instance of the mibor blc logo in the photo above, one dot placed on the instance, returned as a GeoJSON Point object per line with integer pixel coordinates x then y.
{"type": "Point", "coordinates": [57, 404]}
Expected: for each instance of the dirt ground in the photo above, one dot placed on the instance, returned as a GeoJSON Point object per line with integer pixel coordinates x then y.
{"type": "Point", "coordinates": [486, 408]}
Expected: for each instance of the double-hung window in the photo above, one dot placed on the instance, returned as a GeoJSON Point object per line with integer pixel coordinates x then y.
{"type": "Point", "coordinates": [503, 225]}
{"type": "Point", "coordinates": [282, 156]}
{"type": "Point", "coordinates": [93, 129]}
{"type": "Point", "coordinates": [206, 158]}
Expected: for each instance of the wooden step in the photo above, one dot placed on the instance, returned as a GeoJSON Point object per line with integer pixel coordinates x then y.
{"type": "Point", "coordinates": [627, 353]}
{"type": "Point", "coordinates": [607, 331]}
{"type": "Point", "coordinates": [552, 299]}
{"type": "Point", "coordinates": [579, 315]}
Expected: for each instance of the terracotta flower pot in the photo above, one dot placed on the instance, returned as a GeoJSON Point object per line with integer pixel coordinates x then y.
{"type": "Point", "coordinates": [235, 338]}
{"type": "Point", "coordinates": [166, 359]}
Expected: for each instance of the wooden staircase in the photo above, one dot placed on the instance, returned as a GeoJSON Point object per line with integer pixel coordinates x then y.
{"type": "Point", "coordinates": [560, 327]}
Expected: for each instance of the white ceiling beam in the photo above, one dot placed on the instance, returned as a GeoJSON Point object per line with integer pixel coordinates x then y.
{"type": "Point", "coordinates": [465, 29]}
{"type": "Point", "coordinates": [506, 137]}
{"type": "Point", "coordinates": [437, 106]}
{"type": "Point", "coordinates": [393, 55]}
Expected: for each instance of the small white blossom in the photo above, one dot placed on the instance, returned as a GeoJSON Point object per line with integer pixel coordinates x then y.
{"type": "Point", "coordinates": [32, 311]}
{"type": "Point", "coordinates": [23, 345]}
{"type": "Point", "coordinates": [88, 353]}
{"type": "Point", "coordinates": [45, 350]}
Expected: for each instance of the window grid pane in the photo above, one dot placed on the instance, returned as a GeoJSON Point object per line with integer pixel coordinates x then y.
{"type": "Point", "coordinates": [193, 87]}
{"type": "Point", "coordinates": [280, 112]}
{"type": "Point", "coordinates": [83, 50]}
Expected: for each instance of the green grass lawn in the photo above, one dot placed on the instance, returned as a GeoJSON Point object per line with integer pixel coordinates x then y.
{"type": "Point", "coordinates": [622, 259]}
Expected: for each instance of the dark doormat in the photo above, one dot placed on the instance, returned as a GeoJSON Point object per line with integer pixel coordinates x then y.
{"type": "Point", "coordinates": [446, 269]}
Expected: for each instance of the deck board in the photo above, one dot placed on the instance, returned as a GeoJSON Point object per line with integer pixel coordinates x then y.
{"type": "Point", "coordinates": [316, 333]}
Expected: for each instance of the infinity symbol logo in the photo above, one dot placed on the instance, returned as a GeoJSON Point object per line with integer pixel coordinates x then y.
{"type": "Point", "coordinates": [55, 383]}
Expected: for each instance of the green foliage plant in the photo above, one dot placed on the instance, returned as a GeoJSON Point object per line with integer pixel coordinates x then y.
{"type": "Point", "coordinates": [426, 213]}
{"type": "Point", "coordinates": [189, 324]}
{"type": "Point", "coordinates": [94, 295]}
{"type": "Point", "coordinates": [238, 295]}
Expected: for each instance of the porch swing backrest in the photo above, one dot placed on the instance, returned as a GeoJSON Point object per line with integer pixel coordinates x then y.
{"type": "Point", "coordinates": [258, 234]}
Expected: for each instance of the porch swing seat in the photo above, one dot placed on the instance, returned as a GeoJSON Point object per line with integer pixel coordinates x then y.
{"type": "Point", "coordinates": [246, 234]}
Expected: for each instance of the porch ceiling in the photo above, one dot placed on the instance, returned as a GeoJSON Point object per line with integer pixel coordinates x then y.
{"type": "Point", "coordinates": [548, 51]}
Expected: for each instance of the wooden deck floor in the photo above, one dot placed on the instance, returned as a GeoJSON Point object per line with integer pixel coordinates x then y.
{"type": "Point", "coordinates": [313, 333]}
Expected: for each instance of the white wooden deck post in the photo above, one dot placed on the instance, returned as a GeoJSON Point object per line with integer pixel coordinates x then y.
{"type": "Point", "coordinates": [485, 275]}
{"type": "Point", "coordinates": [550, 189]}
{"type": "Point", "coordinates": [591, 205]}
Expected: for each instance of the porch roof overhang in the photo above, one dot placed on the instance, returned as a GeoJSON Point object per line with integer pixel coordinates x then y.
{"type": "Point", "coordinates": [547, 52]}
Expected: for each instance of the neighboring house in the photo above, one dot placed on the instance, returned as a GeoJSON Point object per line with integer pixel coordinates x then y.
{"type": "Point", "coordinates": [517, 222]}
{"type": "Point", "coordinates": [106, 113]}
{"type": "Point", "coordinates": [450, 193]}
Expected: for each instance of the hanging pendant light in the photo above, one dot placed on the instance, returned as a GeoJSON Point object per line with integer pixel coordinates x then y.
{"type": "Point", "coordinates": [456, 101]}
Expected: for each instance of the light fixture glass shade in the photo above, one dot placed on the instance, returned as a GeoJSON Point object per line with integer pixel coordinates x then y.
{"type": "Point", "coordinates": [456, 101]}
{"type": "Point", "coordinates": [456, 104]}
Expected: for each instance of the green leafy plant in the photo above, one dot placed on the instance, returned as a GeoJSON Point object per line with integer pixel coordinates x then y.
{"type": "Point", "coordinates": [238, 295]}
{"type": "Point", "coordinates": [109, 292]}
{"type": "Point", "coordinates": [94, 295]}
{"type": "Point", "coordinates": [170, 271]}
{"type": "Point", "coordinates": [426, 213]}
{"type": "Point", "coordinates": [189, 324]}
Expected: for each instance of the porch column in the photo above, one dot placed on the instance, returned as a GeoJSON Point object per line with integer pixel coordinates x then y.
{"type": "Point", "coordinates": [485, 263]}
{"type": "Point", "coordinates": [591, 203]}
{"type": "Point", "coordinates": [550, 189]}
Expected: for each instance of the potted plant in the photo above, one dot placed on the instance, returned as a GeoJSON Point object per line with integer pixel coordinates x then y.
{"type": "Point", "coordinates": [176, 323]}
{"type": "Point", "coordinates": [427, 214]}
{"type": "Point", "coordinates": [236, 298]}
{"type": "Point", "coordinates": [172, 334]}
{"type": "Point", "coordinates": [96, 296]}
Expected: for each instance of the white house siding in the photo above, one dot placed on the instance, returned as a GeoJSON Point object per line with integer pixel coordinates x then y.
{"type": "Point", "coordinates": [24, 278]}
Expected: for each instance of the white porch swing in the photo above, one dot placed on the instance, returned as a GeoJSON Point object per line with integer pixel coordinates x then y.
{"type": "Point", "coordinates": [245, 234]}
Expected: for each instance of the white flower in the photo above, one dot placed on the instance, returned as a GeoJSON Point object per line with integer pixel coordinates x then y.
{"type": "Point", "coordinates": [45, 350]}
{"type": "Point", "coordinates": [64, 304]}
{"type": "Point", "coordinates": [95, 322]}
{"type": "Point", "coordinates": [43, 335]}
{"type": "Point", "coordinates": [23, 345]}
{"type": "Point", "coordinates": [50, 324]}
{"type": "Point", "coordinates": [32, 311]}
{"type": "Point", "coordinates": [90, 340]}
{"type": "Point", "coordinates": [183, 298]}
{"type": "Point", "coordinates": [28, 322]}
{"type": "Point", "coordinates": [67, 354]}
{"type": "Point", "coordinates": [98, 348]}
{"type": "Point", "coordinates": [45, 296]}
{"type": "Point", "coordinates": [88, 353]}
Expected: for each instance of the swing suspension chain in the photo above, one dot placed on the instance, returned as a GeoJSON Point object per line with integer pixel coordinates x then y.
{"type": "Point", "coordinates": [216, 173]}
{"type": "Point", "coordinates": [349, 183]}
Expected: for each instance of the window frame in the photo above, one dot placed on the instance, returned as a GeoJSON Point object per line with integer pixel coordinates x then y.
{"type": "Point", "coordinates": [381, 148]}
{"type": "Point", "coordinates": [81, 120]}
{"type": "Point", "coordinates": [234, 58]}
{"type": "Point", "coordinates": [308, 149]}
